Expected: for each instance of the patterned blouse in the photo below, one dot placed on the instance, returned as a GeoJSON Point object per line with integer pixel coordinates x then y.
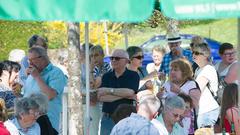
{"type": "Point", "coordinates": [7, 95]}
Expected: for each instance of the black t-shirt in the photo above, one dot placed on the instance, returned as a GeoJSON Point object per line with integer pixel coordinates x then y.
{"type": "Point", "coordinates": [46, 126]}
{"type": "Point", "coordinates": [129, 79]}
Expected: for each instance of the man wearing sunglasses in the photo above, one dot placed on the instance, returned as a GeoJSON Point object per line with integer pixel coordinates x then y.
{"type": "Point", "coordinates": [174, 43]}
{"type": "Point", "coordinates": [118, 87]}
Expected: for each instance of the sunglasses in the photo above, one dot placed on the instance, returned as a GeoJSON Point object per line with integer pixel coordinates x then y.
{"type": "Point", "coordinates": [116, 58]}
{"type": "Point", "coordinates": [139, 57]}
{"type": "Point", "coordinates": [197, 53]}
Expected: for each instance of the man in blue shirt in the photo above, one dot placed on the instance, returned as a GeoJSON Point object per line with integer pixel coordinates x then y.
{"type": "Point", "coordinates": [45, 78]}
{"type": "Point", "coordinates": [174, 43]}
{"type": "Point", "coordinates": [140, 123]}
{"type": "Point", "coordinates": [35, 40]}
{"type": "Point", "coordinates": [118, 87]}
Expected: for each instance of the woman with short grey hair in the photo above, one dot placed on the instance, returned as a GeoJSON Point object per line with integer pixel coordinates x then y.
{"type": "Point", "coordinates": [24, 122]}
{"type": "Point", "coordinates": [43, 120]}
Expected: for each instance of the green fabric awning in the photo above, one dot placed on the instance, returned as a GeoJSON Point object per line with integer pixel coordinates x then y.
{"type": "Point", "coordinates": [200, 9]}
{"type": "Point", "coordinates": [76, 10]}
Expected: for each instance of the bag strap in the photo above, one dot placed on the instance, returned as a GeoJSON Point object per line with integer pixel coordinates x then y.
{"type": "Point", "coordinates": [232, 114]}
{"type": "Point", "coordinates": [208, 85]}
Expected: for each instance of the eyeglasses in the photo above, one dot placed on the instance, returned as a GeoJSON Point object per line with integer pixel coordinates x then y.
{"type": "Point", "coordinates": [34, 58]}
{"type": "Point", "coordinates": [35, 114]}
{"type": "Point", "coordinates": [197, 53]}
{"type": "Point", "coordinates": [176, 115]}
{"type": "Point", "coordinates": [230, 53]}
{"type": "Point", "coordinates": [116, 58]}
{"type": "Point", "coordinates": [139, 57]}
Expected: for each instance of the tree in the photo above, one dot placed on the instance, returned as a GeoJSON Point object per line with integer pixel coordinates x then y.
{"type": "Point", "coordinates": [75, 96]}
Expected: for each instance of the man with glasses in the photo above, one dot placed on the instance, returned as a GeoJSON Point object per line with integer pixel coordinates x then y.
{"type": "Point", "coordinates": [228, 56]}
{"type": "Point", "coordinates": [174, 44]}
{"type": "Point", "coordinates": [35, 40]}
{"type": "Point", "coordinates": [174, 108]}
{"type": "Point", "coordinates": [45, 78]}
{"type": "Point", "coordinates": [118, 87]}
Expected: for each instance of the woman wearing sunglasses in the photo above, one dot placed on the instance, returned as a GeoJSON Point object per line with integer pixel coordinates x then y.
{"type": "Point", "coordinates": [135, 64]}
{"type": "Point", "coordinates": [207, 79]}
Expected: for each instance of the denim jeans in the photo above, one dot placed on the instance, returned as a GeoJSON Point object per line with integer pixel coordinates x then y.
{"type": "Point", "coordinates": [107, 125]}
{"type": "Point", "coordinates": [208, 118]}
{"type": "Point", "coordinates": [95, 115]}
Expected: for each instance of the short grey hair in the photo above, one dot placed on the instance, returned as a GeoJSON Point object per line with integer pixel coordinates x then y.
{"type": "Point", "coordinates": [39, 51]}
{"type": "Point", "coordinates": [42, 101]}
{"type": "Point", "coordinates": [150, 101]}
{"type": "Point", "coordinates": [203, 48]}
{"type": "Point", "coordinates": [23, 105]}
{"type": "Point", "coordinates": [174, 102]}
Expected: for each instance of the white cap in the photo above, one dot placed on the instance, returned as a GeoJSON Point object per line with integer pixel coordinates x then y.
{"type": "Point", "coordinates": [16, 55]}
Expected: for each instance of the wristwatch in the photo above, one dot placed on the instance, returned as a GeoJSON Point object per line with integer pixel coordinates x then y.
{"type": "Point", "coordinates": [112, 91]}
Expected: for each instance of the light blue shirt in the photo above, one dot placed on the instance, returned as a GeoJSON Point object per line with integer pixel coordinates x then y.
{"type": "Point", "coordinates": [134, 125]}
{"type": "Point", "coordinates": [33, 130]}
{"type": "Point", "coordinates": [54, 78]}
{"type": "Point", "coordinates": [177, 129]}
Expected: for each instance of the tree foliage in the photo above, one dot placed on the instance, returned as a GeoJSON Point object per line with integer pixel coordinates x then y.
{"type": "Point", "coordinates": [15, 34]}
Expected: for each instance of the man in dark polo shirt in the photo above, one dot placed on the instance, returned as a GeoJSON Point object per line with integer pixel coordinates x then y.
{"type": "Point", "coordinates": [118, 87]}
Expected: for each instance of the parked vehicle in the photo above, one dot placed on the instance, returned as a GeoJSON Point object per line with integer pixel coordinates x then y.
{"type": "Point", "coordinates": [161, 41]}
{"type": "Point", "coordinates": [186, 40]}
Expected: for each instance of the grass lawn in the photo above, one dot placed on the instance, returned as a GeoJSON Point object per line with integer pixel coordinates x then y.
{"type": "Point", "coordinates": [224, 30]}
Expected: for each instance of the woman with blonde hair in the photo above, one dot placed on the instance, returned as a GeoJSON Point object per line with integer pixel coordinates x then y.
{"type": "Point", "coordinates": [207, 79]}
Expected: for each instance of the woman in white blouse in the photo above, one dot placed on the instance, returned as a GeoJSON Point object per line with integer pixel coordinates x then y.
{"type": "Point", "coordinates": [206, 77]}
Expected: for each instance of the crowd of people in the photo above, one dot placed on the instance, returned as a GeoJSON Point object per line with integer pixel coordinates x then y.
{"type": "Point", "coordinates": [188, 99]}
{"type": "Point", "coordinates": [31, 89]}
{"type": "Point", "coordinates": [178, 94]}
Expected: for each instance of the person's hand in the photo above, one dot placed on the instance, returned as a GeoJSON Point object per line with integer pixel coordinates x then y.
{"type": "Point", "coordinates": [35, 73]}
{"type": "Point", "coordinates": [149, 84]}
{"type": "Point", "coordinates": [161, 76]}
{"type": "Point", "coordinates": [28, 71]}
{"type": "Point", "coordinates": [160, 92]}
{"type": "Point", "coordinates": [93, 98]}
{"type": "Point", "coordinates": [102, 91]}
{"type": "Point", "coordinates": [174, 88]}
{"type": "Point", "coordinates": [16, 87]}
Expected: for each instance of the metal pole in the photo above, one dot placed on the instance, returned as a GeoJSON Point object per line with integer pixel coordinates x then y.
{"type": "Point", "coordinates": [125, 31]}
{"type": "Point", "coordinates": [238, 53]}
{"type": "Point", "coordinates": [87, 77]}
{"type": "Point", "coordinates": [106, 37]}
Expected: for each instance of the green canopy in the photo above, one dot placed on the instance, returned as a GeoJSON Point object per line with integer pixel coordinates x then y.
{"type": "Point", "coordinates": [200, 9]}
{"type": "Point", "coordinates": [76, 10]}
